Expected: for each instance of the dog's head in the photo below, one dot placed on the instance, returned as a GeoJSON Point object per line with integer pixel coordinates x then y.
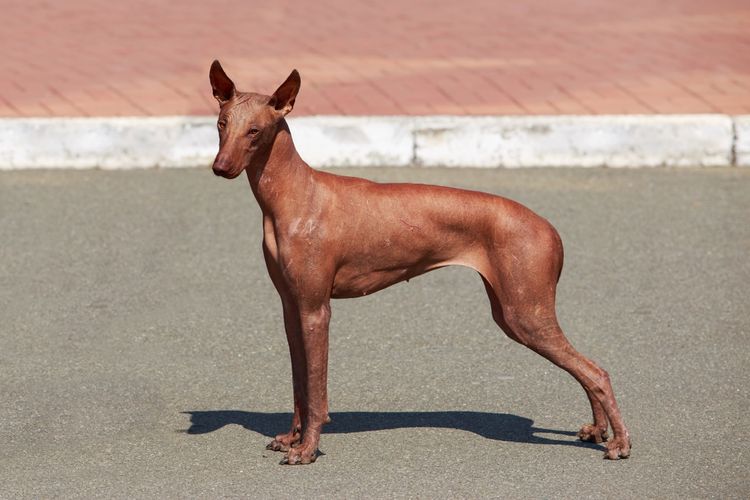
{"type": "Point", "coordinates": [247, 122]}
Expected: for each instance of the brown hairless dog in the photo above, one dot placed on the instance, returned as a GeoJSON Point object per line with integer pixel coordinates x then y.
{"type": "Point", "coordinates": [328, 236]}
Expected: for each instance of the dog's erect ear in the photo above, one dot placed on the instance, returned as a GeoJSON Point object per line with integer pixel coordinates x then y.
{"type": "Point", "coordinates": [222, 86]}
{"type": "Point", "coordinates": [283, 99]}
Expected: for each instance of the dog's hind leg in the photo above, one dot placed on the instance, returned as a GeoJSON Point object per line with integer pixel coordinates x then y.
{"type": "Point", "coordinates": [549, 341]}
{"type": "Point", "coordinates": [523, 305]}
{"type": "Point", "coordinates": [596, 432]}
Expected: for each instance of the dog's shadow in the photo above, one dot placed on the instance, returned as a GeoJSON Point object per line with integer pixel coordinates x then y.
{"type": "Point", "coordinates": [498, 426]}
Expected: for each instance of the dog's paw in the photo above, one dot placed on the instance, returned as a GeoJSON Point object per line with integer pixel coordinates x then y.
{"type": "Point", "coordinates": [284, 442]}
{"type": "Point", "coordinates": [277, 445]}
{"type": "Point", "coordinates": [301, 455]}
{"type": "Point", "coordinates": [618, 447]}
{"type": "Point", "coordinates": [590, 432]}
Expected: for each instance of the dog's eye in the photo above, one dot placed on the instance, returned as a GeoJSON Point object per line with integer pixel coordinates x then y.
{"type": "Point", "coordinates": [253, 131]}
{"type": "Point", "coordinates": [222, 124]}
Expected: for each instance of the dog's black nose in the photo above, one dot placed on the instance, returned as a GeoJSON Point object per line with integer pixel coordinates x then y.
{"type": "Point", "coordinates": [221, 167]}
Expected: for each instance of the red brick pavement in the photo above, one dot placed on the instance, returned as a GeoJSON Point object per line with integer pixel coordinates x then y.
{"type": "Point", "coordinates": [151, 57]}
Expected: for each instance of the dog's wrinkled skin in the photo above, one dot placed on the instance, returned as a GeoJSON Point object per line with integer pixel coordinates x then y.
{"type": "Point", "coordinates": [328, 236]}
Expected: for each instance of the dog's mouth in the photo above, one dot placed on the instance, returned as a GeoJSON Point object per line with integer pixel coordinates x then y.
{"type": "Point", "coordinates": [227, 174]}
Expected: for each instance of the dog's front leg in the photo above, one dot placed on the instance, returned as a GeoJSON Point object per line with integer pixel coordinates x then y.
{"type": "Point", "coordinates": [283, 442]}
{"type": "Point", "coordinates": [314, 320]}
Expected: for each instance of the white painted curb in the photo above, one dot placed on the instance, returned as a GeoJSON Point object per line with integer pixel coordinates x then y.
{"type": "Point", "coordinates": [333, 141]}
{"type": "Point", "coordinates": [587, 141]}
{"type": "Point", "coordinates": [106, 142]}
{"type": "Point", "coordinates": [325, 141]}
{"type": "Point", "coordinates": [742, 141]}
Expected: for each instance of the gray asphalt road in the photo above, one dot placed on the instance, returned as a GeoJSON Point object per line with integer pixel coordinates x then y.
{"type": "Point", "coordinates": [142, 352]}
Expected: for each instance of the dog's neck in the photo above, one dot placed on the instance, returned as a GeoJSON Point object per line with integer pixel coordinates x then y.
{"type": "Point", "coordinates": [280, 176]}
